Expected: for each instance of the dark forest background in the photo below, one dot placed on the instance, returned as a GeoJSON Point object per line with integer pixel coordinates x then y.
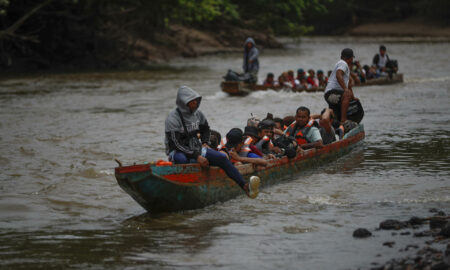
{"type": "Point", "coordinates": [46, 34]}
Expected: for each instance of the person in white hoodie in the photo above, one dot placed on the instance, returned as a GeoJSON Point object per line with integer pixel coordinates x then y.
{"type": "Point", "coordinates": [183, 145]}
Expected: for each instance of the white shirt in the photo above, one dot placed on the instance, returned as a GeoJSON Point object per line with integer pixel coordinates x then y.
{"type": "Point", "coordinates": [332, 80]}
{"type": "Point", "coordinates": [382, 60]}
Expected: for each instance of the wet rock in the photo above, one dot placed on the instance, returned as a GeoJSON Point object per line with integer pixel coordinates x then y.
{"type": "Point", "coordinates": [446, 258]}
{"type": "Point", "coordinates": [389, 244]}
{"type": "Point", "coordinates": [405, 233]}
{"type": "Point", "coordinates": [422, 234]}
{"type": "Point", "coordinates": [434, 210]}
{"type": "Point", "coordinates": [416, 221]}
{"type": "Point", "coordinates": [361, 233]}
{"type": "Point", "coordinates": [393, 233]}
{"type": "Point", "coordinates": [437, 222]}
{"type": "Point", "coordinates": [440, 266]}
{"type": "Point", "coordinates": [440, 214]}
{"type": "Point", "coordinates": [392, 224]}
{"type": "Point", "coordinates": [445, 231]}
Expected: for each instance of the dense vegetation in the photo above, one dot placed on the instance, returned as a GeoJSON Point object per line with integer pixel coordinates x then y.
{"type": "Point", "coordinates": [102, 33]}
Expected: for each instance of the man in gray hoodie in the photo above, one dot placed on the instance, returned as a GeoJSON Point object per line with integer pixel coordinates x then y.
{"type": "Point", "coordinates": [183, 145]}
{"type": "Point", "coordinates": [251, 63]}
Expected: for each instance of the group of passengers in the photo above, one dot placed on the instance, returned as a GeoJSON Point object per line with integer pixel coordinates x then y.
{"type": "Point", "coordinates": [190, 140]}
{"type": "Point", "coordinates": [303, 80]}
{"type": "Point", "coordinates": [188, 135]}
{"type": "Point", "coordinates": [381, 66]}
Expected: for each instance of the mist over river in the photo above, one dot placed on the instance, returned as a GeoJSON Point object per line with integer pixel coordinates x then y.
{"type": "Point", "coordinates": [61, 207]}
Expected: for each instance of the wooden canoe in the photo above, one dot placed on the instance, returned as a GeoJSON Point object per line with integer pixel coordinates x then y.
{"type": "Point", "coordinates": [242, 89]}
{"type": "Point", "coordinates": [188, 186]}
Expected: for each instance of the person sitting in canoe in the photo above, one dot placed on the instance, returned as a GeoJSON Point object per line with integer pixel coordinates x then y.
{"type": "Point", "coordinates": [283, 81]}
{"type": "Point", "coordinates": [251, 63]}
{"type": "Point", "coordinates": [291, 78]}
{"type": "Point", "coordinates": [269, 81]}
{"type": "Point", "coordinates": [321, 78]}
{"type": "Point", "coordinates": [303, 130]}
{"type": "Point", "coordinates": [300, 82]}
{"type": "Point", "coordinates": [325, 123]}
{"type": "Point", "coordinates": [265, 144]}
{"type": "Point", "coordinates": [338, 92]}
{"type": "Point", "coordinates": [383, 64]}
{"type": "Point", "coordinates": [182, 126]}
{"type": "Point", "coordinates": [312, 80]}
{"type": "Point", "coordinates": [234, 146]}
{"type": "Point", "coordinates": [251, 137]}
{"type": "Point", "coordinates": [279, 127]}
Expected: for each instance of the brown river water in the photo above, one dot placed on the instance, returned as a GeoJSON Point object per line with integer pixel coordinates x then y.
{"type": "Point", "coordinates": [61, 208]}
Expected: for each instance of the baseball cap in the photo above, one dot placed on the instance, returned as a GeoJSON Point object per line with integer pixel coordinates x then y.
{"type": "Point", "coordinates": [266, 123]}
{"type": "Point", "coordinates": [234, 137]}
{"type": "Point", "coordinates": [251, 131]}
{"type": "Point", "coordinates": [347, 53]}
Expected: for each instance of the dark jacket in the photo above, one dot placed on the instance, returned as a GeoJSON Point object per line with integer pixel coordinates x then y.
{"type": "Point", "coordinates": [251, 54]}
{"type": "Point", "coordinates": [196, 123]}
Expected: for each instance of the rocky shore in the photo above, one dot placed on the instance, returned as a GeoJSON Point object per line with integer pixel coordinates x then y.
{"type": "Point", "coordinates": [432, 254]}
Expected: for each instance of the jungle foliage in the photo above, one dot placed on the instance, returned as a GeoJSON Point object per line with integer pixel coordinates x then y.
{"type": "Point", "coordinates": [64, 31]}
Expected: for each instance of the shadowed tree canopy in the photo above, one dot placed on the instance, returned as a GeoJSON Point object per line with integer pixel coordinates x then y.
{"type": "Point", "coordinates": [105, 33]}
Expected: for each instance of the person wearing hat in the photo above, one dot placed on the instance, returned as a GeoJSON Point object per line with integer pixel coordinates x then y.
{"type": "Point", "coordinates": [184, 146]}
{"type": "Point", "coordinates": [265, 133]}
{"type": "Point", "coordinates": [233, 147]}
{"type": "Point", "coordinates": [338, 92]}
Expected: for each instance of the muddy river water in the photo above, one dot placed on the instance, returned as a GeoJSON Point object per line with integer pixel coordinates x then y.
{"type": "Point", "coordinates": [61, 207]}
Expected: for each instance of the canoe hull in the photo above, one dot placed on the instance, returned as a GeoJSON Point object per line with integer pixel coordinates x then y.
{"type": "Point", "coordinates": [183, 187]}
{"type": "Point", "coordinates": [242, 89]}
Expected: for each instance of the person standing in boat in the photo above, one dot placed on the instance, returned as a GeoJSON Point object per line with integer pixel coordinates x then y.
{"type": "Point", "coordinates": [338, 92]}
{"type": "Point", "coordinates": [187, 135]}
{"type": "Point", "coordinates": [251, 63]}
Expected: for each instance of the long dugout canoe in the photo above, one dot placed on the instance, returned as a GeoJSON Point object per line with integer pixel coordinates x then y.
{"type": "Point", "coordinates": [188, 186]}
{"type": "Point", "coordinates": [242, 89]}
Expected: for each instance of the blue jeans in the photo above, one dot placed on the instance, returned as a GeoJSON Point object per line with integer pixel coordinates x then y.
{"type": "Point", "coordinates": [215, 159]}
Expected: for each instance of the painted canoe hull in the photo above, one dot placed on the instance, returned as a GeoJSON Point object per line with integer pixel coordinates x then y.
{"type": "Point", "coordinates": [188, 186]}
{"type": "Point", "coordinates": [242, 89]}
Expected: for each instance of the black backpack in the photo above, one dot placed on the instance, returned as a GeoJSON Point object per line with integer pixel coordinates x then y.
{"type": "Point", "coordinates": [287, 144]}
{"type": "Point", "coordinates": [355, 111]}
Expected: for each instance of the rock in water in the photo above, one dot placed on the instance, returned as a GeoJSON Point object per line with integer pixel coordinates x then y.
{"type": "Point", "coordinates": [437, 222]}
{"type": "Point", "coordinates": [392, 224]}
{"type": "Point", "coordinates": [416, 221]}
{"type": "Point", "coordinates": [445, 231]}
{"type": "Point", "coordinates": [362, 233]}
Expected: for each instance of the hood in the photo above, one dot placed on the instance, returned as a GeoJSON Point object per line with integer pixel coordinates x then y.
{"type": "Point", "coordinates": [184, 96]}
{"type": "Point", "coordinates": [251, 41]}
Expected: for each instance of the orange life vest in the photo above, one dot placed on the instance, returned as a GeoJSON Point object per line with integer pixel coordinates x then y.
{"type": "Point", "coordinates": [300, 134]}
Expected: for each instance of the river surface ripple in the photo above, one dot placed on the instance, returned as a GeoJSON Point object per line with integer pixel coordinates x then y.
{"type": "Point", "coordinates": [60, 206]}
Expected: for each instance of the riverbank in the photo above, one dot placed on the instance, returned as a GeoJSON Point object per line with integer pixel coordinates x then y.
{"type": "Point", "coordinates": [406, 28]}
{"type": "Point", "coordinates": [176, 41]}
